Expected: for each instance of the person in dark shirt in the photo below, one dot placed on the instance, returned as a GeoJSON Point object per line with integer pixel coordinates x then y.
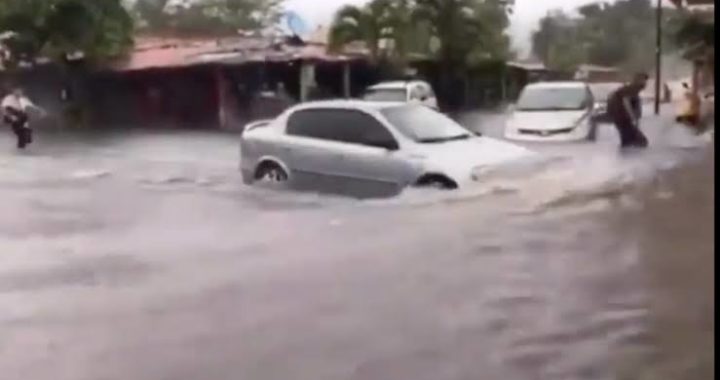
{"type": "Point", "coordinates": [625, 110]}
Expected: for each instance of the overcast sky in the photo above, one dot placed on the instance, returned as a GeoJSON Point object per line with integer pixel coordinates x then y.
{"type": "Point", "coordinates": [524, 21]}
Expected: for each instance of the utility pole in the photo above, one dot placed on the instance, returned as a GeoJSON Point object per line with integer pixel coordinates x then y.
{"type": "Point", "coordinates": [658, 58]}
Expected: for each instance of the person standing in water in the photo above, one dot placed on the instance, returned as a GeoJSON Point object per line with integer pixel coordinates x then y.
{"type": "Point", "coordinates": [15, 109]}
{"type": "Point", "coordinates": [625, 110]}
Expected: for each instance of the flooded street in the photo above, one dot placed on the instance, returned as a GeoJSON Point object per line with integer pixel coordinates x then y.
{"type": "Point", "coordinates": [140, 255]}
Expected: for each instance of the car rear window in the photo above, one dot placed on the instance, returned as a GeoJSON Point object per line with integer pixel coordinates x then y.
{"type": "Point", "coordinates": [552, 99]}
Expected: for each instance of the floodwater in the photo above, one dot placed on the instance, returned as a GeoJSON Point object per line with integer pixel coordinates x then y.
{"type": "Point", "coordinates": [142, 256]}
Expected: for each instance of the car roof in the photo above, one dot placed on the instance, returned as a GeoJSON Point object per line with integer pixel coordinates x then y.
{"type": "Point", "coordinates": [363, 105]}
{"type": "Point", "coordinates": [567, 84]}
{"type": "Point", "coordinates": [395, 85]}
{"type": "Point", "coordinates": [605, 85]}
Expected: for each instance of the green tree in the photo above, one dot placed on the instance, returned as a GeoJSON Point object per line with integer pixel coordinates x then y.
{"type": "Point", "coordinates": [494, 42]}
{"type": "Point", "coordinates": [457, 32]}
{"type": "Point", "coordinates": [370, 24]}
{"type": "Point", "coordinates": [694, 34]}
{"type": "Point", "coordinates": [205, 17]}
{"type": "Point", "coordinates": [557, 42]}
{"type": "Point", "coordinates": [57, 28]}
{"type": "Point", "coordinates": [462, 27]}
{"type": "Point", "coordinates": [618, 34]}
{"type": "Point", "coordinates": [152, 14]}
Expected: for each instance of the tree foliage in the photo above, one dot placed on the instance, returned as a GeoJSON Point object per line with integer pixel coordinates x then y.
{"type": "Point", "coordinates": [56, 28]}
{"type": "Point", "coordinates": [205, 17]}
{"type": "Point", "coordinates": [610, 34]}
{"type": "Point", "coordinates": [371, 24]}
{"type": "Point", "coordinates": [466, 31]}
{"type": "Point", "coordinates": [459, 32]}
{"type": "Point", "coordinates": [694, 34]}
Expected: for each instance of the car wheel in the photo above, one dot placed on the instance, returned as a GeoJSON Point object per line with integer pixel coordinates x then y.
{"type": "Point", "coordinates": [436, 182]}
{"type": "Point", "coordinates": [270, 172]}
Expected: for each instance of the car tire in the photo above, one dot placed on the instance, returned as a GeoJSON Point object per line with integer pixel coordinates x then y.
{"type": "Point", "coordinates": [271, 172]}
{"type": "Point", "coordinates": [435, 181]}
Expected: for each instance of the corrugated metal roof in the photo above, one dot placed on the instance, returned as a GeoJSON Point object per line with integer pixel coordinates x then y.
{"type": "Point", "coordinates": [168, 53]}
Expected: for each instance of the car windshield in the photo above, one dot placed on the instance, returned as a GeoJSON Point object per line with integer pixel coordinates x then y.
{"type": "Point", "coordinates": [602, 91]}
{"type": "Point", "coordinates": [386, 95]}
{"type": "Point", "coordinates": [424, 125]}
{"type": "Point", "coordinates": [551, 99]}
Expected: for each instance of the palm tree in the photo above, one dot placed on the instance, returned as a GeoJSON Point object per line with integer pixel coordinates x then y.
{"type": "Point", "coordinates": [452, 24]}
{"type": "Point", "coordinates": [463, 26]}
{"type": "Point", "coordinates": [371, 25]}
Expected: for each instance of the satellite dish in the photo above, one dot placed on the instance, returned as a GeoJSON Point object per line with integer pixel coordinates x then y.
{"type": "Point", "coordinates": [296, 24]}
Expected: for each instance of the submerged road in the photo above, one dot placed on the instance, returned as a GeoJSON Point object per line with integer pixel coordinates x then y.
{"type": "Point", "coordinates": [140, 255]}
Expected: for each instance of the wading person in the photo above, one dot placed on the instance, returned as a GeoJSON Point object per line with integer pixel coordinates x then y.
{"type": "Point", "coordinates": [689, 111]}
{"type": "Point", "coordinates": [15, 109]}
{"type": "Point", "coordinates": [625, 110]}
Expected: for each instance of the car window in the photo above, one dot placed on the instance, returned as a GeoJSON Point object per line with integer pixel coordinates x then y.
{"type": "Point", "coordinates": [347, 126]}
{"type": "Point", "coordinates": [424, 125]}
{"type": "Point", "coordinates": [552, 99]}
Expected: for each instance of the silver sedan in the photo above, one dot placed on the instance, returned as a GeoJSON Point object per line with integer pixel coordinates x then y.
{"type": "Point", "coordinates": [358, 142]}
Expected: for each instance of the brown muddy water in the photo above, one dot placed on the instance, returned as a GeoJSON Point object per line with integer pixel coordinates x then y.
{"type": "Point", "coordinates": [142, 256]}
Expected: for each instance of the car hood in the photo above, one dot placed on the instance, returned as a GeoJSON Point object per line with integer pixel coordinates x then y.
{"type": "Point", "coordinates": [545, 120]}
{"type": "Point", "coordinates": [459, 159]}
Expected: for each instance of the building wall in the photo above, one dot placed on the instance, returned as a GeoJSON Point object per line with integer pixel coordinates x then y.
{"type": "Point", "coordinates": [161, 98]}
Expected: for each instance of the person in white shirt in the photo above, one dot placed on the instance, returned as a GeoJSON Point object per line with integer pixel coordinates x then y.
{"type": "Point", "coordinates": [15, 110]}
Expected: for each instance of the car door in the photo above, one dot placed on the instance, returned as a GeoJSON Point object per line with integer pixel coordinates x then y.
{"type": "Point", "coordinates": [373, 153]}
{"type": "Point", "coordinates": [342, 148]}
{"type": "Point", "coordinates": [314, 154]}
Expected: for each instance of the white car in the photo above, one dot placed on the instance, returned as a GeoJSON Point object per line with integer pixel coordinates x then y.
{"type": "Point", "coordinates": [415, 91]}
{"type": "Point", "coordinates": [356, 142]}
{"type": "Point", "coordinates": [553, 111]}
